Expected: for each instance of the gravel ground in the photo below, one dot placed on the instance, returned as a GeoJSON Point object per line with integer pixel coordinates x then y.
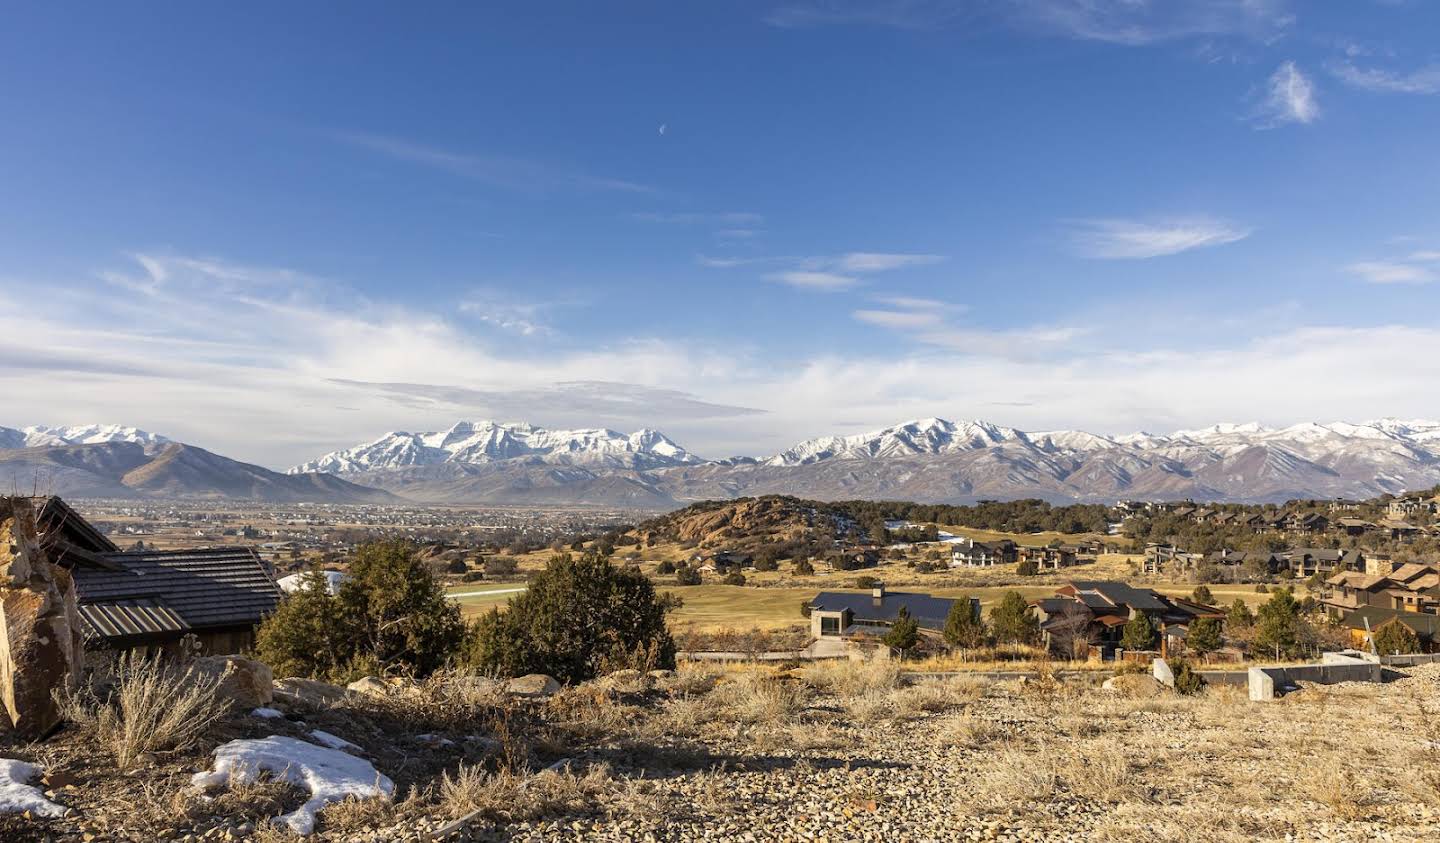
{"type": "Point", "coordinates": [848, 753]}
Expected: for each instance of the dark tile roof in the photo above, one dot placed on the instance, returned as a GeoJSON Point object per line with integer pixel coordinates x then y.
{"type": "Point", "coordinates": [929, 612]}
{"type": "Point", "coordinates": [59, 526]}
{"type": "Point", "coordinates": [1425, 626]}
{"type": "Point", "coordinates": [206, 588]}
{"type": "Point", "coordinates": [137, 617]}
{"type": "Point", "coordinates": [1119, 593]}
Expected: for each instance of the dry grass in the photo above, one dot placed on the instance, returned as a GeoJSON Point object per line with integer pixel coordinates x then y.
{"type": "Point", "coordinates": [151, 707]}
{"type": "Point", "coordinates": [505, 795]}
{"type": "Point", "coordinates": [757, 698]}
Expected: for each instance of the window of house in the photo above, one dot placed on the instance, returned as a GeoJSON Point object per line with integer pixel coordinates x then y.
{"type": "Point", "coordinates": [829, 626]}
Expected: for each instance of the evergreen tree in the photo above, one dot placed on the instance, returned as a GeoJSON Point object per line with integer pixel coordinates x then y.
{"type": "Point", "coordinates": [390, 617]}
{"type": "Point", "coordinates": [1239, 614]}
{"type": "Point", "coordinates": [962, 627]}
{"type": "Point", "coordinates": [903, 634]}
{"type": "Point", "coordinates": [1278, 624]}
{"type": "Point", "coordinates": [578, 618]}
{"type": "Point", "coordinates": [1202, 594]}
{"type": "Point", "coordinates": [1139, 633]}
{"type": "Point", "coordinates": [1027, 568]}
{"type": "Point", "coordinates": [1204, 636]}
{"type": "Point", "coordinates": [1011, 621]}
{"type": "Point", "coordinates": [1394, 638]}
{"type": "Point", "coordinates": [802, 568]}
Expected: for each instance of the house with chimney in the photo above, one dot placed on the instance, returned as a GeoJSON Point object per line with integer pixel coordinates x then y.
{"type": "Point", "coordinates": [151, 600]}
{"type": "Point", "coordinates": [1098, 610]}
{"type": "Point", "coordinates": [846, 614]}
{"type": "Point", "coordinates": [969, 553]}
{"type": "Point", "coordinates": [1409, 588]}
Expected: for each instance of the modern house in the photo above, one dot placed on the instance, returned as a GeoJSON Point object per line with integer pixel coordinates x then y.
{"type": "Point", "coordinates": [1409, 588]}
{"type": "Point", "coordinates": [1161, 558]}
{"type": "Point", "coordinates": [1353, 526]}
{"type": "Point", "coordinates": [152, 599]}
{"type": "Point", "coordinates": [968, 553]}
{"type": "Point", "coordinates": [1405, 507]}
{"type": "Point", "coordinates": [1308, 561]}
{"type": "Point", "coordinates": [1096, 612]}
{"type": "Point", "coordinates": [1047, 558]}
{"type": "Point", "coordinates": [1308, 523]}
{"type": "Point", "coordinates": [839, 614]}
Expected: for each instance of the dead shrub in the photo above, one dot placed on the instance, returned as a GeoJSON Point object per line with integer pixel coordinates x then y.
{"type": "Point", "coordinates": [755, 698]}
{"type": "Point", "coordinates": [151, 707]}
{"type": "Point", "coordinates": [506, 795]}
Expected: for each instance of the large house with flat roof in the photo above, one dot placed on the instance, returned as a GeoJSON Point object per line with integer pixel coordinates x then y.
{"type": "Point", "coordinates": [841, 614]}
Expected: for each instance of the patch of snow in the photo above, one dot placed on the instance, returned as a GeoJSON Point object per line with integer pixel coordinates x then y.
{"type": "Point", "coordinates": [17, 796]}
{"type": "Point", "coordinates": [268, 713]}
{"type": "Point", "coordinates": [293, 582]}
{"type": "Point", "coordinates": [329, 775]}
{"type": "Point", "coordinates": [332, 741]}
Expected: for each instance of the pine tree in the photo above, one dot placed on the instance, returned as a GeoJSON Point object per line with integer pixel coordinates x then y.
{"type": "Point", "coordinates": [1394, 638]}
{"type": "Point", "coordinates": [1202, 594]}
{"type": "Point", "coordinates": [1011, 621]}
{"type": "Point", "coordinates": [1278, 624]}
{"type": "Point", "coordinates": [1239, 614]}
{"type": "Point", "coordinates": [1139, 633]}
{"type": "Point", "coordinates": [903, 634]}
{"type": "Point", "coordinates": [962, 627]}
{"type": "Point", "coordinates": [1204, 636]}
{"type": "Point", "coordinates": [578, 618]}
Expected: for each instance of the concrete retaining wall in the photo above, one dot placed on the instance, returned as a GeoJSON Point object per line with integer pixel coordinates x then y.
{"type": "Point", "coordinates": [1410, 660]}
{"type": "Point", "coordinates": [1266, 683]}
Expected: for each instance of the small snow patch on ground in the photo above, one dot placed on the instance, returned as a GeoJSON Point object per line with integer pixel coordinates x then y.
{"type": "Point", "coordinates": [332, 741]}
{"type": "Point", "coordinates": [16, 796]}
{"type": "Point", "coordinates": [329, 775]}
{"type": "Point", "coordinates": [268, 713]}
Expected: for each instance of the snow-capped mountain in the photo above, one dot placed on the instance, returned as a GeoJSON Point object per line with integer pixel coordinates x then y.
{"type": "Point", "coordinates": [913, 438]}
{"type": "Point", "coordinates": [486, 442]}
{"type": "Point", "coordinates": [40, 436]}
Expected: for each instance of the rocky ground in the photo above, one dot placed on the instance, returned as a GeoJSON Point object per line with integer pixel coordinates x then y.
{"type": "Point", "coordinates": [829, 752]}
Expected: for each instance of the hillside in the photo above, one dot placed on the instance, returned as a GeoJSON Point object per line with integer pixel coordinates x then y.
{"type": "Point", "coordinates": [164, 469]}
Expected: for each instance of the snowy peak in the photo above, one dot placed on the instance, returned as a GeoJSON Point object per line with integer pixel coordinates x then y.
{"type": "Point", "coordinates": [489, 442]}
{"type": "Point", "coordinates": [41, 436]}
{"type": "Point", "coordinates": [912, 438]}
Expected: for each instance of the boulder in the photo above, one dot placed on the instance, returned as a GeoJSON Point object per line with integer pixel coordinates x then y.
{"type": "Point", "coordinates": [311, 692]}
{"type": "Point", "coordinates": [532, 685]}
{"type": "Point", "coordinates": [41, 641]}
{"type": "Point", "coordinates": [245, 682]}
{"type": "Point", "coordinates": [1134, 685]}
{"type": "Point", "coordinates": [373, 685]}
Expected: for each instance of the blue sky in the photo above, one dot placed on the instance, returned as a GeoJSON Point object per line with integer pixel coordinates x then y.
{"type": "Point", "coordinates": [274, 230]}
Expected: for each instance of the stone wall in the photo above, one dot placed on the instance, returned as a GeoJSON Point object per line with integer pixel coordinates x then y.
{"type": "Point", "coordinates": [41, 642]}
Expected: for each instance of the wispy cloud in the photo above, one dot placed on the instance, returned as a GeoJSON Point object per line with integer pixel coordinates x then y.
{"type": "Point", "coordinates": [1391, 272]}
{"type": "Point", "coordinates": [900, 319]}
{"type": "Point", "coordinates": [1289, 97]}
{"type": "Point", "coordinates": [1125, 22]}
{"type": "Point", "coordinates": [827, 273]}
{"type": "Point", "coordinates": [878, 261]}
{"type": "Point", "coordinates": [1119, 239]}
{"type": "Point", "coordinates": [501, 171]}
{"type": "Point", "coordinates": [829, 282]}
{"type": "Point", "coordinates": [1426, 80]}
{"type": "Point", "coordinates": [498, 309]}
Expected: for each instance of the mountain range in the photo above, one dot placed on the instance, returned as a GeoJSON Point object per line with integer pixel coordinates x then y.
{"type": "Point", "coordinates": [923, 460]}
{"type": "Point", "coordinates": [111, 461]}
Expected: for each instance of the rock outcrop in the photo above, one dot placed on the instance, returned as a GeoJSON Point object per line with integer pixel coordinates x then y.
{"type": "Point", "coordinates": [41, 642]}
{"type": "Point", "coordinates": [245, 682]}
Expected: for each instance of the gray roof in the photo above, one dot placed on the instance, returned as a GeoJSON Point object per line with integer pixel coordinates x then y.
{"type": "Point", "coordinates": [155, 592]}
{"type": "Point", "coordinates": [1121, 594]}
{"type": "Point", "coordinates": [929, 612]}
